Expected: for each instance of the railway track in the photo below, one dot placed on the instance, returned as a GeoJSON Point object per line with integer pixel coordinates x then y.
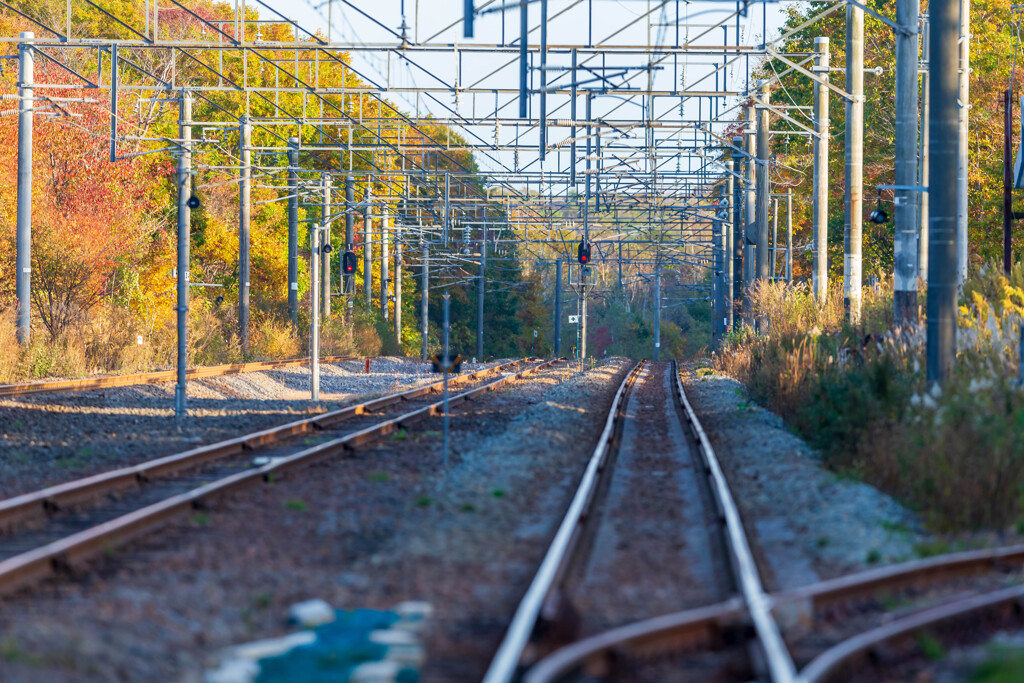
{"type": "Point", "coordinates": [27, 388]}
{"type": "Point", "coordinates": [862, 626]}
{"type": "Point", "coordinates": [625, 449]}
{"type": "Point", "coordinates": [60, 527]}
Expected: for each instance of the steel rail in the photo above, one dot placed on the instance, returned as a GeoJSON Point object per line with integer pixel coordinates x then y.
{"type": "Point", "coordinates": [777, 658]}
{"type": "Point", "coordinates": [834, 663]}
{"type": "Point", "coordinates": [692, 625]}
{"type": "Point", "coordinates": [506, 660]}
{"type": "Point", "coordinates": [800, 604]}
{"type": "Point", "coordinates": [696, 627]}
{"type": "Point", "coordinates": [38, 504]}
{"type": "Point", "coordinates": [33, 565]}
{"type": "Point", "coordinates": [26, 388]}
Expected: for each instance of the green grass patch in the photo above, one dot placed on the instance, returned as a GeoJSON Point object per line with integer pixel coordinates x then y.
{"type": "Point", "coordinates": [295, 504]}
{"type": "Point", "coordinates": [378, 476]}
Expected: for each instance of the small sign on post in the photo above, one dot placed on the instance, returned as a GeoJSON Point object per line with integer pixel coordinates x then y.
{"type": "Point", "coordinates": [574, 320]}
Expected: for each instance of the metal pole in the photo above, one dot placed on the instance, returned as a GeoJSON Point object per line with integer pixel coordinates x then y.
{"type": "Point", "coordinates": [184, 221]}
{"type": "Point", "coordinates": [446, 326]}
{"type": "Point", "coordinates": [819, 217]}
{"type": "Point", "coordinates": [385, 226]}
{"type": "Point", "coordinates": [789, 235]}
{"type": "Point", "coordinates": [293, 229]}
{"type": "Point", "coordinates": [558, 307]}
{"type": "Point", "coordinates": [763, 196]}
{"type": "Point", "coordinates": [325, 238]}
{"type": "Point", "coordinates": [943, 198]}
{"type": "Point", "coordinates": [728, 276]}
{"type": "Point", "coordinates": [657, 311]}
{"type": "Point", "coordinates": [244, 215]}
{"type": "Point", "coordinates": [854, 200]}
{"type": "Point", "coordinates": [314, 305]}
{"type": "Point", "coordinates": [350, 218]}
{"type": "Point", "coordinates": [963, 123]}
{"type": "Point", "coordinates": [425, 302]}
{"type": "Point", "coordinates": [543, 131]}
{"type": "Point", "coordinates": [718, 282]}
{"type": "Point", "coordinates": [926, 98]}
{"type": "Point", "coordinates": [368, 248]}
{"type": "Point", "coordinates": [524, 35]}
{"type": "Point", "coordinates": [23, 278]}
{"type": "Point", "coordinates": [775, 240]}
{"type": "Point", "coordinates": [905, 212]}
{"type": "Point", "coordinates": [398, 284]}
{"type": "Point", "coordinates": [480, 295]}
{"type": "Point", "coordinates": [749, 214]}
{"type": "Point", "coordinates": [739, 236]}
{"type": "Point", "coordinates": [1007, 180]}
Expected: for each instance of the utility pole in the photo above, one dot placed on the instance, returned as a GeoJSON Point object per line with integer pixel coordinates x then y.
{"type": "Point", "coordinates": [764, 190]}
{"type": "Point", "coordinates": [398, 282]}
{"type": "Point", "coordinates": [854, 218]}
{"type": "Point", "coordinates": [905, 212]}
{"type": "Point", "coordinates": [1008, 182]}
{"type": "Point", "coordinates": [184, 223]}
{"type": "Point", "coordinates": [293, 229]}
{"type": "Point", "coordinates": [789, 235]}
{"type": "Point", "coordinates": [425, 301]}
{"type": "Point", "coordinates": [244, 214]}
{"type": "Point", "coordinates": [749, 209]}
{"type": "Point", "coordinates": [943, 198]}
{"type": "Point", "coordinates": [558, 307]}
{"type": "Point", "coordinates": [964, 102]}
{"type": "Point", "coordinates": [385, 225]}
{"type": "Point", "coordinates": [350, 218]}
{"type": "Point", "coordinates": [325, 239]}
{"type": "Point", "coordinates": [739, 239]}
{"type": "Point", "coordinates": [720, 280]}
{"type": "Point", "coordinates": [315, 238]}
{"type": "Point", "coordinates": [728, 226]}
{"type": "Point", "coordinates": [657, 311]}
{"type": "Point", "coordinates": [368, 247]}
{"type": "Point", "coordinates": [23, 279]}
{"type": "Point", "coordinates": [819, 212]}
{"type": "Point", "coordinates": [926, 96]}
{"type": "Point", "coordinates": [480, 295]}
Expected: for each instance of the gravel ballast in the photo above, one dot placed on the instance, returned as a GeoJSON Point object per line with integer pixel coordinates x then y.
{"type": "Point", "coordinates": [50, 438]}
{"type": "Point", "coordinates": [806, 523]}
{"type": "Point", "coordinates": [385, 525]}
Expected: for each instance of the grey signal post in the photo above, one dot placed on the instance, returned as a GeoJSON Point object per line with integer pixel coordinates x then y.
{"type": "Point", "coordinates": [385, 220]}
{"type": "Point", "coordinates": [425, 301]}
{"type": "Point", "coordinates": [819, 210]}
{"type": "Point", "coordinates": [943, 200]}
{"type": "Point", "coordinates": [184, 181]}
{"type": "Point", "coordinates": [738, 238]}
{"type": "Point", "coordinates": [368, 247]}
{"type": "Point", "coordinates": [854, 200]}
{"type": "Point", "coordinates": [315, 251]}
{"type": "Point", "coordinates": [23, 260]}
{"type": "Point", "coordinates": [558, 307]}
{"type": "Point", "coordinates": [762, 271]}
{"type": "Point", "coordinates": [325, 238]}
{"type": "Point", "coordinates": [905, 210]}
{"type": "Point", "coordinates": [244, 213]}
{"type": "Point", "coordinates": [293, 229]}
{"type": "Point", "coordinates": [350, 217]}
{"type": "Point", "coordinates": [480, 292]}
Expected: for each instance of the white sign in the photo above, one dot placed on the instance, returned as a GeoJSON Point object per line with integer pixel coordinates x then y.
{"type": "Point", "coordinates": [574, 319]}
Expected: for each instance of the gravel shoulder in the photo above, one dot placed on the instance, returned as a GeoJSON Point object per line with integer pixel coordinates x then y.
{"type": "Point", "coordinates": [50, 438]}
{"type": "Point", "coordinates": [387, 524]}
{"type": "Point", "coordinates": [805, 522]}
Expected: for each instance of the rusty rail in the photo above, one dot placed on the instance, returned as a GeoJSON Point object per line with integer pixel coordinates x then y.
{"type": "Point", "coordinates": [26, 388]}
{"type": "Point", "coordinates": [39, 563]}
{"type": "Point", "coordinates": [38, 504]}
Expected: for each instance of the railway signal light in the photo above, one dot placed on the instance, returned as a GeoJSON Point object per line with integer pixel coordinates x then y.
{"type": "Point", "coordinates": [583, 253]}
{"type": "Point", "coordinates": [348, 263]}
{"type": "Point", "coordinates": [879, 215]}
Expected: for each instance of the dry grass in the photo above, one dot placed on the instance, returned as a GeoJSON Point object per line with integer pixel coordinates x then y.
{"type": "Point", "coordinates": [953, 453]}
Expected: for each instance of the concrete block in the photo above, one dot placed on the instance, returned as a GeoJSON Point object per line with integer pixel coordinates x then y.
{"type": "Point", "coordinates": [311, 613]}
